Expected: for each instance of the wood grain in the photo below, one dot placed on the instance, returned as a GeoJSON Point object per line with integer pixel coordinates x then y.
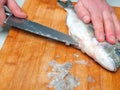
{"type": "Point", "coordinates": [24, 55]}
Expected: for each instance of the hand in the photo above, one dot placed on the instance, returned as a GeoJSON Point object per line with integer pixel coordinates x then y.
{"type": "Point", "coordinates": [14, 8]}
{"type": "Point", "coordinates": [103, 18]}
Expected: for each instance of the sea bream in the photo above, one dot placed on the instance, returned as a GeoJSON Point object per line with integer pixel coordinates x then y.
{"type": "Point", "coordinates": [107, 55]}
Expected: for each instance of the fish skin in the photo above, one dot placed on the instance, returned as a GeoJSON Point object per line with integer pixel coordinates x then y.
{"type": "Point", "coordinates": [104, 53]}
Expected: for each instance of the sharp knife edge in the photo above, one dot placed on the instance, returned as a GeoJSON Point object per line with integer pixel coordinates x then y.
{"type": "Point", "coordinates": [39, 29]}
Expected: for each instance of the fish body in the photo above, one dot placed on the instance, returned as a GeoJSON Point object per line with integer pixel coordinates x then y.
{"type": "Point", "coordinates": [107, 55]}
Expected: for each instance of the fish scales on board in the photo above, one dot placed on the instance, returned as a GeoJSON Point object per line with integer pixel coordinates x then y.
{"type": "Point", "coordinates": [107, 55]}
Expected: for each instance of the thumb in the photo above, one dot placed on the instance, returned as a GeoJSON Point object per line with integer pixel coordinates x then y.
{"type": "Point", "coordinates": [82, 12]}
{"type": "Point", "coordinates": [15, 9]}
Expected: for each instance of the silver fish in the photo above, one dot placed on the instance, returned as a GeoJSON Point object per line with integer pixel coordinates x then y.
{"type": "Point", "coordinates": [107, 55]}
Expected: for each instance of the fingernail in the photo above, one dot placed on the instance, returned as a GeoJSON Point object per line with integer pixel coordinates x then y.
{"type": "Point", "coordinates": [86, 19]}
{"type": "Point", "coordinates": [118, 38]}
{"type": "Point", "coordinates": [112, 39]}
{"type": "Point", "coordinates": [101, 37]}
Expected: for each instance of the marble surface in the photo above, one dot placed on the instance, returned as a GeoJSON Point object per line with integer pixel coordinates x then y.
{"type": "Point", "coordinates": [4, 30]}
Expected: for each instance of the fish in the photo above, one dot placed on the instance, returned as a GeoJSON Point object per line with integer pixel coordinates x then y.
{"type": "Point", "coordinates": [105, 54]}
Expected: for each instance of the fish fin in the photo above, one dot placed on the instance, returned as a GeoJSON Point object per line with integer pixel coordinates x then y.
{"type": "Point", "coordinates": [65, 4]}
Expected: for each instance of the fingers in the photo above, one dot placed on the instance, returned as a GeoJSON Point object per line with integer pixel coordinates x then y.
{"type": "Point", "coordinates": [105, 22]}
{"type": "Point", "coordinates": [82, 12]}
{"type": "Point", "coordinates": [109, 27]}
{"type": "Point", "coordinates": [90, 15]}
{"type": "Point", "coordinates": [97, 21]}
{"type": "Point", "coordinates": [15, 9]}
{"type": "Point", "coordinates": [105, 26]}
{"type": "Point", "coordinates": [2, 16]}
{"type": "Point", "coordinates": [117, 26]}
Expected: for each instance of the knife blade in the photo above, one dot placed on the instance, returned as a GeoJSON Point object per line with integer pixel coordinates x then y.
{"type": "Point", "coordinates": [39, 29]}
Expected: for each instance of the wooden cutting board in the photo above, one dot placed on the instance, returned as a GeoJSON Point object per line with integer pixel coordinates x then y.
{"type": "Point", "coordinates": [24, 56]}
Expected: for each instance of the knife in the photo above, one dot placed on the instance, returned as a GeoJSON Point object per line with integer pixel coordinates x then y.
{"type": "Point", "coordinates": [38, 29]}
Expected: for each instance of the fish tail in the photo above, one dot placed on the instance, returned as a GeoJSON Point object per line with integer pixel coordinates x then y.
{"type": "Point", "coordinates": [65, 3]}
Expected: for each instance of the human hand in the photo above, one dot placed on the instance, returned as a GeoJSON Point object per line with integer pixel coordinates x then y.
{"type": "Point", "coordinates": [103, 18]}
{"type": "Point", "coordinates": [14, 8]}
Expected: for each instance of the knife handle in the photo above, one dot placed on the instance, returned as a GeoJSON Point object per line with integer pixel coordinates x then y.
{"type": "Point", "coordinates": [8, 14]}
{"type": "Point", "coordinates": [7, 11]}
